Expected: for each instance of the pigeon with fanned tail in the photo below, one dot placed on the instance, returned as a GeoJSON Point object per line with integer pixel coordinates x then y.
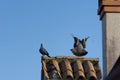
{"type": "Point", "coordinates": [43, 51]}
{"type": "Point", "coordinates": [79, 46]}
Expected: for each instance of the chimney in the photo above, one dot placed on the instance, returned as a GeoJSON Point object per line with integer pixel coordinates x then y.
{"type": "Point", "coordinates": [109, 12]}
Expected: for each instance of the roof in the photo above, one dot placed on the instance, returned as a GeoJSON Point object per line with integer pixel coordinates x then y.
{"type": "Point", "coordinates": [71, 67]}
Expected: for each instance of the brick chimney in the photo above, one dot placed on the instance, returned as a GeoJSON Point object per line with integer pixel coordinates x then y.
{"type": "Point", "coordinates": [109, 12]}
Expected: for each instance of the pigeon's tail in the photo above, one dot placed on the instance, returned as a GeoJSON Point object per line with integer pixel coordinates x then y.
{"type": "Point", "coordinates": [84, 53]}
{"type": "Point", "coordinates": [48, 55]}
{"type": "Point", "coordinates": [87, 38]}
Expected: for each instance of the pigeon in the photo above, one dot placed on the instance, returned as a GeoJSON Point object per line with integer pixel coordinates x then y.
{"type": "Point", "coordinates": [79, 46]}
{"type": "Point", "coordinates": [79, 50]}
{"type": "Point", "coordinates": [43, 51]}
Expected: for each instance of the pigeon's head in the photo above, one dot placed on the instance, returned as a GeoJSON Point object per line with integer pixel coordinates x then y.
{"type": "Point", "coordinates": [41, 45]}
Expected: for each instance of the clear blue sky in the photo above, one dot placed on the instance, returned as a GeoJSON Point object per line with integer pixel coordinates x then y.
{"type": "Point", "coordinates": [25, 24]}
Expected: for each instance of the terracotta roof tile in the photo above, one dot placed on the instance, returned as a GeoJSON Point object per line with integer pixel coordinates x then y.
{"type": "Point", "coordinates": [66, 69]}
{"type": "Point", "coordinates": [78, 70]}
{"type": "Point", "coordinates": [71, 67]}
{"type": "Point", "coordinates": [44, 70]}
{"type": "Point", "coordinates": [89, 70]}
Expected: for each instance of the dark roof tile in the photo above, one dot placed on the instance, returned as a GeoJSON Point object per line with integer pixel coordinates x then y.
{"type": "Point", "coordinates": [44, 70]}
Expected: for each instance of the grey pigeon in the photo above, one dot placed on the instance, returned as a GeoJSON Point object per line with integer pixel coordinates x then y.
{"type": "Point", "coordinates": [79, 50]}
{"type": "Point", "coordinates": [43, 51]}
{"type": "Point", "coordinates": [79, 46]}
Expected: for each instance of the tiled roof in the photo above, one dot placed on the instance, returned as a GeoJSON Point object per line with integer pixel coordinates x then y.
{"type": "Point", "coordinates": [70, 68]}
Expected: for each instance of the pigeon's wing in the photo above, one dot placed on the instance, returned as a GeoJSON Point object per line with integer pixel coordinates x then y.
{"type": "Point", "coordinates": [76, 42]}
{"type": "Point", "coordinates": [83, 42]}
{"type": "Point", "coordinates": [46, 52]}
{"type": "Point", "coordinates": [87, 38]}
{"type": "Point", "coordinates": [43, 51]}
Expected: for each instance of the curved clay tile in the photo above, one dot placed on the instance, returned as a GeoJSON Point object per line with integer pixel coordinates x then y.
{"type": "Point", "coordinates": [89, 70]}
{"type": "Point", "coordinates": [66, 69]}
{"type": "Point", "coordinates": [56, 64]}
{"type": "Point", "coordinates": [53, 69]}
{"type": "Point", "coordinates": [44, 65]}
{"type": "Point", "coordinates": [44, 70]}
{"type": "Point", "coordinates": [98, 71]}
{"type": "Point", "coordinates": [99, 75]}
{"type": "Point", "coordinates": [45, 73]}
{"type": "Point", "coordinates": [78, 70]}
